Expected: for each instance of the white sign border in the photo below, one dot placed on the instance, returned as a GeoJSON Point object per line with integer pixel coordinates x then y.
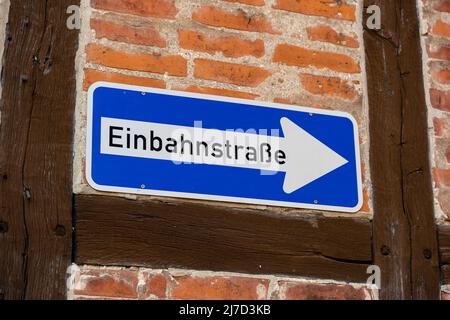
{"type": "Point", "coordinates": [197, 196]}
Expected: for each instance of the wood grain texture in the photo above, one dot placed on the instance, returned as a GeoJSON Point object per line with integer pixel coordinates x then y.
{"type": "Point", "coordinates": [37, 109]}
{"type": "Point", "coordinates": [446, 274]}
{"type": "Point", "coordinates": [444, 244]}
{"type": "Point", "coordinates": [444, 248]}
{"type": "Point", "coordinates": [115, 231]}
{"type": "Point", "coordinates": [405, 237]}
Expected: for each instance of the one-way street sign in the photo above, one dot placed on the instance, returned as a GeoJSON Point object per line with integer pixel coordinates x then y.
{"type": "Point", "coordinates": [167, 143]}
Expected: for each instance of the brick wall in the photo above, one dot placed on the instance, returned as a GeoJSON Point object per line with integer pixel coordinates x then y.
{"type": "Point", "coordinates": [436, 41]}
{"type": "Point", "coordinates": [302, 52]}
{"type": "Point", "coordinates": [298, 52]}
{"type": "Point", "coordinates": [306, 53]}
{"type": "Point", "coordinates": [435, 19]}
{"type": "Point", "coordinates": [90, 282]}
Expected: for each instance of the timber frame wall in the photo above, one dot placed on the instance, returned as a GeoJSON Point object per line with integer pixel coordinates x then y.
{"type": "Point", "coordinates": [38, 210]}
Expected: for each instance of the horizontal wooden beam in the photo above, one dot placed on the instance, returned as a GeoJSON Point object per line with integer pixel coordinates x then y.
{"type": "Point", "coordinates": [444, 249]}
{"type": "Point", "coordinates": [117, 231]}
{"type": "Point", "coordinates": [446, 274]}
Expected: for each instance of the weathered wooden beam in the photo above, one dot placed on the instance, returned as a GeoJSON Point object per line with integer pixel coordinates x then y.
{"type": "Point", "coordinates": [446, 274]}
{"type": "Point", "coordinates": [405, 237]}
{"type": "Point", "coordinates": [37, 109]}
{"type": "Point", "coordinates": [444, 249]}
{"type": "Point", "coordinates": [116, 231]}
{"type": "Point", "coordinates": [444, 244]}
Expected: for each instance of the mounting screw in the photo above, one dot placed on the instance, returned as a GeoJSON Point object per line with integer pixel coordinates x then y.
{"type": "Point", "coordinates": [143, 93]}
{"type": "Point", "coordinates": [3, 227]}
{"type": "Point", "coordinates": [60, 230]}
{"type": "Point", "coordinates": [27, 193]}
{"type": "Point", "coordinates": [142, 186]}
{"type": "Point", "coordinates": [427, 254]}
{"type": "Point", "coordinates": [385, 251]}
{"type": "Point", "coordinates": [316, 201]}
{"type": "Point", "coordinates": [26, 21]}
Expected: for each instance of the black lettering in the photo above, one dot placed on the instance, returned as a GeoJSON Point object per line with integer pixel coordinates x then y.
{"type": "Point", "coordinates": [280, 157]}
{"type": "Point", "coordinates": [251, 154]}
{"type": "Point", "coordinates": [128, 138]}
{"type": "Point", "coordinates": [136, 142]}
{"type": "Point", "coordinates": [113, 136]}
{"type": "Point", "coordinates": [217, 150]}
{"type": "Point", "coordinates": [171, 146]}
{"type": "Point", "coordinates": [228, 147]}
{"type": "Point", "coordinates": [205, 147]}
{"type": "Point", "coordinates": [236, 151]}
{"type": "Point", "coordinates": [154, 139]}
{"type": "Point", "coordinates": [267, 151]}
{"type": "Point", "coordinates": [184, 143]}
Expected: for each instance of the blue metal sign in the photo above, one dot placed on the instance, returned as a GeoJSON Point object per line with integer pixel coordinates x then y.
{"type": "Point", "coordinates": [167, 143]}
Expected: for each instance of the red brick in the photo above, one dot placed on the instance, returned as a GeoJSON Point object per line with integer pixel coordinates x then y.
{"type": "Point", "coordinates": [91, 76]}
{"type": "Point", "coordinates": [440, 99]}
{"type": "Point", "coordinates": [216, 17]}
{"type": "Point", "coordinates": [145, 8]}
{"type": "Point", "coordinates": [441, 177]}
{"type": "Point", "coordinates": [219, 288]}
{"type": "Point", "coordinates": [441, 75]}
{"type": "Point", "coordinates": [238, 74]}
{"type": "Point", "coordinates": [282, 100]}
{"type": "Point", "coordinates": [302, 57]}
{"type": "Point", "coordinates": [442, 5]}
{"type": "Point", "coordinates": [441, 127]}
{"type": "Point", "coordinates": [328, 86]}
{"type": "Point", "coordinates": [326, 33]}
{"type": "Point", "coordinates": [441, 29]}
{"type": "Point", "coordinates": [366, 200]}
{"type": "Point", "coordinates": [174, 65]}
{"type": "Point", "coordinates": [155, 286]}
{"type": "Point", "coordinates": [309, 291]}
{"type": "Point", "coordinates": [92, 298]}
{"type": "Point", "coordinates": [219, 92]}
{"type": "Point", "coordinates": [249, 2]}
{"type": "Point", "coordinates": [335, 9]}
{"type": "Point", "coordinates": [108, 283]}
{"type": "Point", "coordinates": [441, 53]}
{"type": "Point", "coordinates": [442, 151]}
{"type": "Point", "coordinates": [303, 102]}
{"type": "Point", "coordinates": [230, 46]}
{"type": "Point", "coordinates": [123, 33]}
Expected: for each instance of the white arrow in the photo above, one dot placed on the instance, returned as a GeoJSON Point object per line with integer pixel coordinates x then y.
{"type": "Point", "coordinates": [302, 157]}
{"type": "Point", "coordinates": [309, 159]}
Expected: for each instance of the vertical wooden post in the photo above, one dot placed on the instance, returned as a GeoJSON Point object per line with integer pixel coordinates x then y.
{"type": "Point", "coordinates": [37, 109]}
{"type": "Point", "coordinates": [405, 240]}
